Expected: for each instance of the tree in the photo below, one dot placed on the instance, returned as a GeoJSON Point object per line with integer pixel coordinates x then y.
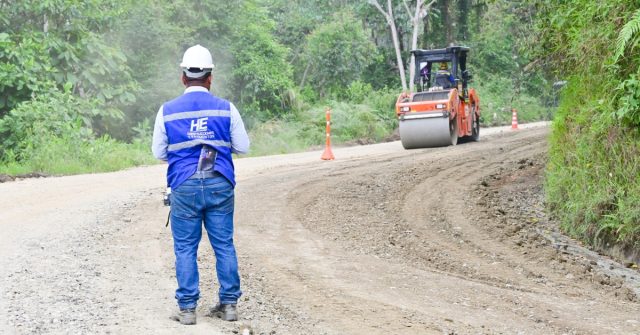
{"type": "Point", "coordinates": [46, 45]}
{"type": "Point", "coordinates": [420, 12]}
{"type": "Point", "coordinates": [388, 15]}
{"type": "Point", "coordinates": [338, 52]}
{"type": "Point", "coordinates": [463, 22]}
{"type": "Point", "coordinates": [447, 25]}
{"type": "Point", "coordinates": [251, 65]}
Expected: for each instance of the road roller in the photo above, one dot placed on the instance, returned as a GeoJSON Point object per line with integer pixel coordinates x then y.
{"type": "Point", "coordinates": [443, 109]}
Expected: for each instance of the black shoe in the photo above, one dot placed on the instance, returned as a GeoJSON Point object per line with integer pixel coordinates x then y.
{"type": "Point", "coordinates": [185, 316]}
{"type": "Point", "coordinates": [226, 312]}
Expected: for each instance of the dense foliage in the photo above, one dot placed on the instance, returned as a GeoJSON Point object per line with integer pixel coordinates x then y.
{"type": "Point", "coordinates": [501, 61]}
{"type": "Point", "coordinates": [85, 71]}
{"type": "Point", "coordinates": [593, 180]}
{"type": "Point", "coordinates": [337, 54]}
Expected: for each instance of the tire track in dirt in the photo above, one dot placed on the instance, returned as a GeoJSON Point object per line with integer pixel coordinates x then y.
{"type": "Point", "coordinates": [365, 232]}
{"type": "Point", "coordinates": [324, 248]}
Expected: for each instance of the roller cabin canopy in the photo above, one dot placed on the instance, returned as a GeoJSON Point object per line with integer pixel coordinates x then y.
{"type": "Point", "coordinates": [456, 56]}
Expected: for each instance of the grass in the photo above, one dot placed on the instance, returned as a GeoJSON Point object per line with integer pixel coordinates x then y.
{"type": "Point", "coordinates": [593, 176]}
{"type": "Point", "coordinates": [495, 108]}
{"type": "Point", "coordinates": [61, 156]}
{"type": "Point", "coordinates": [280, 137]}
{"type": "Point", "coordinates": [369, 120]}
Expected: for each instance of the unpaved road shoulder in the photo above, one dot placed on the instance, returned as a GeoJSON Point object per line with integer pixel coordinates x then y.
{"type": "Point", "coordinates": [380, 241]}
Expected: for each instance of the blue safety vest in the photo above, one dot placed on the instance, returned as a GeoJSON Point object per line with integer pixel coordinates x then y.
{"type": "Point", "coordinates": [191, 120]}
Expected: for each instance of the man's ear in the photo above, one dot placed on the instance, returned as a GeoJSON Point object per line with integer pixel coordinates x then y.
{"type": "Point", "coordinates": [209, 79]}
{"type": "Point", "coordinates": [184, 79]}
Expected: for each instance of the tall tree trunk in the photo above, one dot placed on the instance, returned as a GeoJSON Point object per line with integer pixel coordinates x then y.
{"type": "Point", "coordinates": [396, 45]}
{"type": "Point", "coordinates": [446, 22]}
{"type": "Point", "coordinates": [463, 22]}
{"type": "Point", "coordinates": [388, 15]}
{"type": "Point", "coordinates": [425, 32]}
{"type": "Point", "coordinates": [45, 26]}
{"type": "Point", "coordinates": [401, 38]}
{"type": "Point", "coordinates": [420, 12]}
{"type": "Point", "coordinates": [304, 75]}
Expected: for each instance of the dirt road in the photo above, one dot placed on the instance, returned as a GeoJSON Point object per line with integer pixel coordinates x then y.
{"type": "Point", "coordinates": [380, 241]}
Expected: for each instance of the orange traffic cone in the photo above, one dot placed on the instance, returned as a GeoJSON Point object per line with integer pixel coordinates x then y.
{"type": "Point", "coordinates": [327, 155]}
{"type": "Point", "coordinates": [514, 119]}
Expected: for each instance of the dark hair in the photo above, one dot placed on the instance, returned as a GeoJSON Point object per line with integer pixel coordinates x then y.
{"type": "Point", "coordinates": [197, 80]}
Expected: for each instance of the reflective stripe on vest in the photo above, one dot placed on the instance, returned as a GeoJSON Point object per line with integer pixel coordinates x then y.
{"type": "Point", "coordinates": [189, 144]}
{"type": "Point", "coordinates": [196, 114]}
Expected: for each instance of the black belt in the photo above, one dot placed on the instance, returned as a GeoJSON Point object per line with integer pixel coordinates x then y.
{"type": "Point", "coordinates": [205, 174]}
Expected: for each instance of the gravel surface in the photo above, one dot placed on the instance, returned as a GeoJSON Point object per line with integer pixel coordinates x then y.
{"type": "Point", "coordinates": [381, 241]}
{"type": "Point", "coordinates": [513, 197]}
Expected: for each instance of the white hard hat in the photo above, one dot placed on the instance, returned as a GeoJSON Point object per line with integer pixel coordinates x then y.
{"type": "Point", "coordinates": [197, 58]}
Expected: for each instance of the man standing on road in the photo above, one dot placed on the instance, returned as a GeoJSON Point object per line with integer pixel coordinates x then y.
{"type": "Point", "coordinates": [197, 133]}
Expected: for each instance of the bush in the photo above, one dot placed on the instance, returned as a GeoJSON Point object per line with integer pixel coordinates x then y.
{"type": "Point", "coordinates": [497, 98]}
{"type": "Point", "coordinates": [52, 134]}
{"type": "Point", "coordinates": [628, 93]}
{"type": "Point", "coordinates": [50, 115]}
{"type": "Point", "coordinates": [356, 92]}
{"type": "Point", "coordinates": [370, 121]}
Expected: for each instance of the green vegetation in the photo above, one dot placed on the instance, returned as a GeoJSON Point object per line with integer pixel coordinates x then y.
{"type": "Point", "coordinates": [352, 120]}
{"type": "Point", "coordinates": [62, 142]}
{"type": "Point", "coordinates": [593, 177]}
{"type": "Point", "coordinates": [81, 81]}
{"type": "Point", "coordinates": [501, 60]}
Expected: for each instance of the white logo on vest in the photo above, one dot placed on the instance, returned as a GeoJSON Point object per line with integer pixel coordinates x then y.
{"type": "Point", "coordinates": [198, 129]}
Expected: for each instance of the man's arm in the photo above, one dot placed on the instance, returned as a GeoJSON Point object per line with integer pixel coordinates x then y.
{"type": "Point", "coordinates": [239, 138]}
{"type": "Point", "coordinates": [160, 140]}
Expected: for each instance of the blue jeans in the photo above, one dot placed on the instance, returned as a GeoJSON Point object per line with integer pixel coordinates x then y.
{"type": "Point", "coordinates": [192, 203]}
